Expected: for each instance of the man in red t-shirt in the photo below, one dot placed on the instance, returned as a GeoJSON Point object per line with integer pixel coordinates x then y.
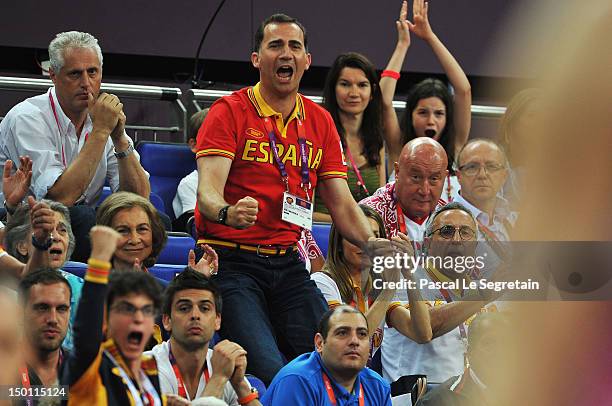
{"type": "Point", "coordinates": [260, 153]}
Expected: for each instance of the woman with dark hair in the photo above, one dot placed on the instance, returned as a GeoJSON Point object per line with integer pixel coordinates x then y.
{"type": "Point", "coordinates": [431, 110]}
{"type": "Point", "coordinates": [352, 97]}
{"type": "Point", "coordinates": [345, 279]}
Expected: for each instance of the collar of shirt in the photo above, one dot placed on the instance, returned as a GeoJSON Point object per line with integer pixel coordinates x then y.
{"type": "Point", "coordinates": [265, 110]}
{"type": "Point", "coordinates": [339, 390]}
{"type": "Point", "coordinates": [501, 211]}
{"type": "Point", "coordinates": [443, 278]}
{"type": "Point", "coordinates": [64, 122]}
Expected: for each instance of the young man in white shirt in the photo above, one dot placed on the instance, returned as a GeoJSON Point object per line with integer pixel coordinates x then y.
{"type": "Point", "coordinates": [187, 367]}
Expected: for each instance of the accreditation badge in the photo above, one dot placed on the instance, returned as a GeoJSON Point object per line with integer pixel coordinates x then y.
{"type": "Point", "coordinates": [297, 210]}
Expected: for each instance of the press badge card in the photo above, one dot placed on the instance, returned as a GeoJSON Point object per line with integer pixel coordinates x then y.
{"type": "Point", "coordinates": [297, 210]}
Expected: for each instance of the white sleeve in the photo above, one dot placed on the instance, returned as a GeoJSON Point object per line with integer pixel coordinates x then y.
{"type": "Point", "coordinates": [186, 194]}
{"type": "Point", "coordinates": [29, 134]}
{"type": "Point", "coordinates": [328, 287]}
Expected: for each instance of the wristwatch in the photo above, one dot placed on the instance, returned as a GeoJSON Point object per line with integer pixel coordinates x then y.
{"type": "Point", "coordinates": [42, 246]}
{"type": "Point", "coordinates": [123, 154]}
{"type": "Point", "coordinates": [9, 210]}
{"type": "Point", "coordinates": [222, 216]}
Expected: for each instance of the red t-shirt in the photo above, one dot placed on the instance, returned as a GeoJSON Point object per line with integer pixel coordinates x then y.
{"type": "Point", "coordinates": [234, 128]}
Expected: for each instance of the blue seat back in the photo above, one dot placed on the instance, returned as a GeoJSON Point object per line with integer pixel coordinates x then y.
{"type": "Point", "coordinates": [167, 164]}
{"type": "Point", "coordinates": [257, 384]}
{"type": "Point", "coordinates": [177, 249]}
{"type": "Point", "coordinates": [75, 268]}
{"type": "Point", "coordinates": [320, 232]}
{"type": "Point", "coordinates": [154, 198]}
{"type": "Point", "coordinates": [166, 272]}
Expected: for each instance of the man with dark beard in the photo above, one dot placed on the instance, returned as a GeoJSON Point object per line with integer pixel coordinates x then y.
{"type": "Point", "coordinates": [187, 367]}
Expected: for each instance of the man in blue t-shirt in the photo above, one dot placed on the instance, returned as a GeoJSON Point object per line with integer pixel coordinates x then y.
{"type": "Point", "coordinates": [335, 373]}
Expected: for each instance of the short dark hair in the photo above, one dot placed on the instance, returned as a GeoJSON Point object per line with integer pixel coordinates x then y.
{"type": "Point", "coordinates": [423, 90]}
{"type": "Point", "coordinates": [277, 19]}
{"type": "Point", "coordinates": [323, 328]}
{"type": "Point", "coordinates": [45, 276]}
{"type": "Point", "coordinates": [124, 283]}
{"type": "Point", "coordinates": [195, 122]}
{"type": "Point", "coordinates": [190, 279]}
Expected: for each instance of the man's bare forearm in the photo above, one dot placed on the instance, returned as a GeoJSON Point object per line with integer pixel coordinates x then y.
{"type": "Point", "coordinates": [78, 175]}
{"type": "Point", "coordinates": [132, 177]}
{"type": "Point", "coordinates": [449, 316]}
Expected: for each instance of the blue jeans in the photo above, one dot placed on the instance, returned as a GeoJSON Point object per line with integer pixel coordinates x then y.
{"type": "Point", "coordinates": [271, 308]}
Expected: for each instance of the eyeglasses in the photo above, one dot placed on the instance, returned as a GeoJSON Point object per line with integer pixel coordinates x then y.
{"type": "Point", "coordinates": [448, 232]}
{"type": "Point", "coordinates": [128, 309]}
{"type": "Point", "coordinates": [473, 168]}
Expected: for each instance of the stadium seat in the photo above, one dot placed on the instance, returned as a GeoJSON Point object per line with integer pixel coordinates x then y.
{"type": "Point", "coordinates": [167, 164]}
{"type": "Point", "coordinates": [166, 272]}
{"type": "Point", "coordinates": [75, 268]}
{"type": "Point", "coordinates": [177, 249]}
{"type": "Point", "coordinates": [154, 198]}
{"type": "Point", "coordinates": [257, 384]}
{"type": "Point", "coordinates": [320, 232]}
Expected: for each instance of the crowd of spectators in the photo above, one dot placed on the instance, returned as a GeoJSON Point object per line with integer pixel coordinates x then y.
{"type": "Point", "coordinates": [270, 162]}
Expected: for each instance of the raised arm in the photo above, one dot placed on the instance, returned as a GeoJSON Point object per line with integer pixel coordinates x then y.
{"type": "Point", "coordinates": [393, 134]}
{"type": "Point", "coordinates": [15, 186]}
{"type": "Point", "coordinates": [88, 334]}
{"type": "Point", "coordinates": [414, 323]}
{"type": "Point", "coordinates": [463, 90]}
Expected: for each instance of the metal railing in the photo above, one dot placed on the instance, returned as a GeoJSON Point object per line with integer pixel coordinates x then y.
{"type": "Point", "coordinates": [140, 92]}
{"type": "Point", "coordinates": [196, 97]}
{"type": "Point", "coordinates": [207, 97]}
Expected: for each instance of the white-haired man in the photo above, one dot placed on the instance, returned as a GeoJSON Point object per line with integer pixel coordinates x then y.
{"type": "Point", "coordinates": [75, 136]}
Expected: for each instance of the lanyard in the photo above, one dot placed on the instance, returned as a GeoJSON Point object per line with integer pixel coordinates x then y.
{"type": "Point", "coordinates": [449, 189]}
{"type": "Point", "coordinates": [25, 383]}
{"type": "Point", "coordinates": [305, 184]}
{"type": "Point", "coordinates": [60, 129]}
{"type": "Point", "coordinates": [332, 396]}
{"type": "Point", "coordinates": [360, 181]}
{"type": "Point", "coordinates": [150, 395]}
{"type": "Point", "coordinates": [182, 390]}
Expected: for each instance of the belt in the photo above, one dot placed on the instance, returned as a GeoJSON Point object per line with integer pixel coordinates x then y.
{"type": "Point", "coordinates": [261, 250]}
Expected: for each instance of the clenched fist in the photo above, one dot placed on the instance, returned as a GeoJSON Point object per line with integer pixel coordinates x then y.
{"type": "Point", "coordinates": [243, 214]}
{"type": "Point", "coordinates": [105, 112]}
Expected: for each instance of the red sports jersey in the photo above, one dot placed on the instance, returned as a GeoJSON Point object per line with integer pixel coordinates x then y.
{"type": "Point", "coordinates": [234, 128]}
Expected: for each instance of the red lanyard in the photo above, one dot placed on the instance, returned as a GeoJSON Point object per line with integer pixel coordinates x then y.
{"type": "Point", "coordinates": [332, 396]}
{"type": "Point", "coordinates": [182, 390]}
{"type": "Point", "coordinates": [360, 181]}
{"type": "Point", "coordinates": [449, 189]}
{"type": "Point", "coordinates": [305, 184]}
{"type": "Point", "coordinates": [60, 129]}
{"type": "Point", "coordinates": [401, 222]}
{"type": "Point", "coordinates": [25, 383]}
